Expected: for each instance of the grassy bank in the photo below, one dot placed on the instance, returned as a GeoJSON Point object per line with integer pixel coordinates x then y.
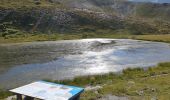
{"type": "Point", "coordinates": [135, 84]}
{"type": "Point", "coordinates": [37, 37]}
{"type": "Point", "coordinates": [8, 4]}
{"type": "Point", "coordinates": [158, 38]}
{"type": "Point", "coordinates": [27, 37]}
{"type": "Point", "coordinates": [4, 94]}
{"type": "Point", "coordinates": [53, 37]}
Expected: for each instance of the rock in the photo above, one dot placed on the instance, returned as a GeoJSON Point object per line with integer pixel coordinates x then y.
{"type": "Point", "coordinates": [37, 2]}
{"type": "Point", "coordinates": [130, 83]}
{"type": "Point", "coordinates": [93, 88]}
{"type": "Point", "coordinates": [140, 92]}
{"type": "Point", "coordinates": [112, 97]}
{"type": "Point", "coordinates": [153, 89]}
{"type": "Point", "coordinates": [10, 98]}
{"type": "Point", "coordinates": [96, 92]}
{"type": "Point", "coordinates": [154, 98]}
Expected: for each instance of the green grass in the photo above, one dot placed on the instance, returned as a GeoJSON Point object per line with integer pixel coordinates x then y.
{"type": "Point", "coordinates": [26, 3]}
{"type": "Point", "coordinates": [158, 38]}
{"type": "Point", "coordinates": [134, 83]}
{"type": "Point", "coordinates": [4, 94]}
{"type": "Point", "coordinates": [27, 37]}
{"type": "Point", "coordinates": [37, 37]}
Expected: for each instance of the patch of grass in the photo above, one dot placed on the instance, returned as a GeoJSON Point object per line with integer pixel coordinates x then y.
{"type": "Point", "coordinates": [15, 36]}
{"type": "Point", "coordinates": [26, 3]}
{"type": "Point", "coordinates": [87, 80]}
{"type": "Point", "coordinates": [134, 83]}
{"type": "Point", "coordinates": [20, 36]}
{"type": "Point", "coordinates": [4, 94]}
{"type": "Point", "coordinates": [26, 37]}
{"type": "Point", "coordinates": [158, 38]}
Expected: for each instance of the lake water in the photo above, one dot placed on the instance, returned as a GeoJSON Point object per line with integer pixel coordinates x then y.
{"type": "Point", "coordinates": [153, 1]}
{"type": "Point", "coordinates": [23, 63]}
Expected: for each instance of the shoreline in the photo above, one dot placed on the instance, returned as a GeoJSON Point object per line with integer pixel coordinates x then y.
{"type": "Point", "coordinates": [59, 37]}
{"type": "Point", "coordinates": [132, 83]}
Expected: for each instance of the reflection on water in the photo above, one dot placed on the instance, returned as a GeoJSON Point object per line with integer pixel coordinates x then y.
{"type": "Point", "coordinates": [24, 63]}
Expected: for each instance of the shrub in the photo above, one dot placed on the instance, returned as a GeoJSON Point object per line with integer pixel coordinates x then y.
{"type": "Point", "coordinates": [37, 2]}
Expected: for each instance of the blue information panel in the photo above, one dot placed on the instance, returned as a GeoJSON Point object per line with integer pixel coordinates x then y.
{"type": "Point", "coordinates": [48, 91]}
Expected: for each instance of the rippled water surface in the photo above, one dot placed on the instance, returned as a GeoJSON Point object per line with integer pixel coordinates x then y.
{"type": "Point", "coordinates": [26, 62]}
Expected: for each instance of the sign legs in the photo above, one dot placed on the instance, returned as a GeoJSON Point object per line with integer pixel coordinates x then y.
{"type": "Point", "coordinates": [19, 97]}
{"type": "Point", "coordinates": [28, 98]}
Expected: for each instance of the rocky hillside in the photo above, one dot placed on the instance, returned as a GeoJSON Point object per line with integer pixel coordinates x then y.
{"type": "Point", "coordinates": [77, 16]}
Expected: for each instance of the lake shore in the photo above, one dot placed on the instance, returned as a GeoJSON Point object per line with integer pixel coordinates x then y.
{"type": "Point", "coordinates": [134, 84]}
{"type": "Point", "coordinates": [157, 38]}
{"type": "Point", "coordinates": [55, 37]}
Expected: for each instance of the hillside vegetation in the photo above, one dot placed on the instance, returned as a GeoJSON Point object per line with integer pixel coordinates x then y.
{"type": "Point", "coordinates": [26, 3]}
{"type": "Point", "coordinates": [81, 18]}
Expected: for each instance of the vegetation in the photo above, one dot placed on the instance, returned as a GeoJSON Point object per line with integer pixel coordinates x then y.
{"type": "Point", "coordinates": [149, 10]}
{"type": "Point", "coordinates": [4, 94]}
{"type": "Point", "coordinates": [36, 37]}
{"type": "Point", "coordinates": [27, 3]}
{"type": "Point", "coordinates": [133, 83]}
{"type": "Point", "coordinates": [158, 38]}
{"type": "Point", "coordinates": [39, 17]}
{"type": "Point", "coordinates": [16, 36]}
{"type": "Point", "coordinates": [28, 37]}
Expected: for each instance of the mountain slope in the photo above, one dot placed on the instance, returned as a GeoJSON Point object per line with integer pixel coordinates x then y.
{"type": "Point", "coordinates": [79, 16]}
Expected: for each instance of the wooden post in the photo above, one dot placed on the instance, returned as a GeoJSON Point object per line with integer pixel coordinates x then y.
{"type": "Point", "coordinates": [28, 98]}
{"type": "Point", "coordinates": [19, 96]}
